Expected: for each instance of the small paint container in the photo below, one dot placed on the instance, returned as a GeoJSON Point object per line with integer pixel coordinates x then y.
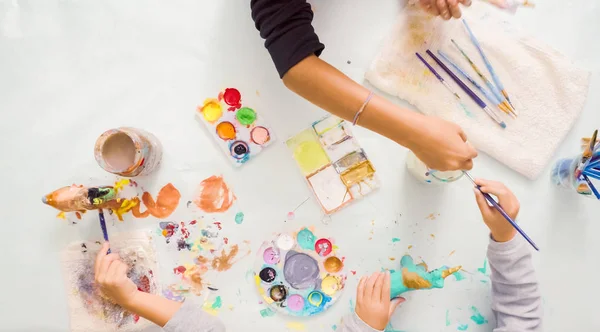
{"type": "Point", "coordinates": [424, 174]}
{"type": "Point", "coordinates": [128, 152]}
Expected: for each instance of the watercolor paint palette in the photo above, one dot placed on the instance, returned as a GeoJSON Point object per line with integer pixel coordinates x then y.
{"type": "Point", "coordinates": [335, 166]}
{"type": "Point", "coordinates": [299, 274]}
{"type": "Point", "coordinates": [239, 130]}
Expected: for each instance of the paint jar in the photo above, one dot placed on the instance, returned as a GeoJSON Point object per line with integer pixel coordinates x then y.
{"type": "Point", "coordinates": [424, 174]}
{"type": "Point", "coordinates": [128, 151]}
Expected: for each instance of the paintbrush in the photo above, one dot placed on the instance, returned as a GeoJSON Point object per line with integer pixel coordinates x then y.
{"type": "Point", "coordinates": [471, 94]}
{"type": "Point", "coordinates": [438, 76]}
{"type": "Point", "coordinates": [591, 185]}
{"type": "Point", "coordinates": [487, 82]}
{"type": "Point", "coordinates": [490, 96]}
{"type": "Point", "coordinates": [488, 64]}
{"type": "Point", "coordinates": [585, 141]}
{"type": "Point", "coordinates": [497, 206]}
{"type": "Point", "coordinates": [587, 155]}
{"type": "Point", "coordinates": [594, 163]}
{"type": "Point", "coordinates": [443, 81]}
{"type": "Point", "coordinates": [103, 227]}
{"type": "Point", "coordinates": [593, 173]}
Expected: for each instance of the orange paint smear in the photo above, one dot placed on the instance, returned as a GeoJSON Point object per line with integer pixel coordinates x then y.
{"type": "Point", "coordinates": [166, 202]}
{"type": "Point", "coordinates": [215, 195]}
{"type": "Point", "coordinates": [225, 261]}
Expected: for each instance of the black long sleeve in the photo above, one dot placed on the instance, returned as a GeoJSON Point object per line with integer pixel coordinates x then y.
{"type": "Point", "coordinates": [286, 27]}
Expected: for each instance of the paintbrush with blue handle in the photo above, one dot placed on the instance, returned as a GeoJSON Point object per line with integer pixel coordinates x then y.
{"type": "Point", "coordinates": [103, 226]}
{"type": "Point", "coordinates": [497, 206]}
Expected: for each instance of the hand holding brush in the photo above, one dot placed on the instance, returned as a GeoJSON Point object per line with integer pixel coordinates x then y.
{"type": "Point", "coordinates": [500, 217]}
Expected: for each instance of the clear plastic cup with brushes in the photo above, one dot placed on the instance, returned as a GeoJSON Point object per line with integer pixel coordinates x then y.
{"type": "Point", "coordinates": [563, 175]}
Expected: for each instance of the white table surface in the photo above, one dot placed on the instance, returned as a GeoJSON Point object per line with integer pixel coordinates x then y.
{"type": "Point", "coordinates": [71, 69]}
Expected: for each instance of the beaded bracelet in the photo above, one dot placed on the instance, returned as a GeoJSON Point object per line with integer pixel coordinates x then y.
{"type": "Point", "coordinates": [362, 108]}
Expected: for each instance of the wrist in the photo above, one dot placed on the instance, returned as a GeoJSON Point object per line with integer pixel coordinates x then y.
{"type": "Point", "coordinates": [131, 302]}
{"type": "Point", "coordinates": [503, 235]}
{"type": "Point", "coordinates": [406, 127]}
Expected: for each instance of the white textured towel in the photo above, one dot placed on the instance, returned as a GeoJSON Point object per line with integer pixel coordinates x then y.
{"type": "Point", "coordinates": [547, 90]}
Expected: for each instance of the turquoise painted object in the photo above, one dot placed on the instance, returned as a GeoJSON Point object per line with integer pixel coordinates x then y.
{"type": "Point", "coordinates": [413, 276]}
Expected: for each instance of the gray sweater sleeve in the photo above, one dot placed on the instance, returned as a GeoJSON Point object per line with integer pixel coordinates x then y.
{"type": "Point", "coordinates": [191, 318]}
{"type": "Point", "coordinates": [516, 298]}
{"type": "Point", "coordinates": [353, 323]}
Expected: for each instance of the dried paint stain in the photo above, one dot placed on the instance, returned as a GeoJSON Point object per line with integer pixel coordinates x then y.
{"type": "Point", "coordinates": [215, 195]}
{"type": "Point", "coordinates": [239, 217]}
{"type": "Point", "coordinates": [477, 317]}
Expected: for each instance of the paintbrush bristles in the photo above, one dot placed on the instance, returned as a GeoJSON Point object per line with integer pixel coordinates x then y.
{"type": "Point", "coordinates": [451, 271]}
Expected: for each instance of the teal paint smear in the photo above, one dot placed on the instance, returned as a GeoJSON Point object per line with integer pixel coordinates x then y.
{"type": "Point", "coordinates": [217, 304]}
{"type": "Point", "coordinates": [477, 317]}
{"type": "Point", "coordinates": [467, 112]}
{"type": "Point", "coordinates": [395, 239]}
{"type": "Point", "coordinates": [334, 327]}
{"type": "Point", "coordinates": [390, 328]}
{"type": "Point", "coordinates": [447, 317]}
{"type": "Point", "coordinates": [239, 218]}
{"type": "Point", "coordinates": [484, 268]}
{"type": "Point", "coordinates": [459, 276]}
{"type": "Point", "coordinates": [268, 312]}
{"type": "Point", "coordinates": [463, 327]}
{"type": "Point", "coordinates": [351, 306]}
{"type": "Point", "coordinates": [306, 239]}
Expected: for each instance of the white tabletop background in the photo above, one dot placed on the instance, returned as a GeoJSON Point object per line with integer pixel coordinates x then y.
{"type": "Point", "coordinates": [70, 70]}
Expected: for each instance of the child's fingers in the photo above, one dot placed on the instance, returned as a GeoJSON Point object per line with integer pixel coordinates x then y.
{"type": "Point", "coordinates": [466, 3]}
{"type": "Point", "coordinates": [101, 254]}
{"type": "Point", "coordinates": [378, 287]}
{"type": "Point", "coordinates": [387, 287]}
{"type": "Point", "coordinates": [111, 272]}
{"type": "Point", "coordinates": [122, 271]}
{"type": "Point", "coordinates": [360, 290]}
{"type": "Point", "coordinates": [106, 261]}
{"type": "Point", "coordinates": [370, 284]}
{"type": "Point", "coordinates": [482, 203]}
{"type": "Point", "coordinates": [498, 189]}
{"type": "Point", "coordinates": [395, 303]}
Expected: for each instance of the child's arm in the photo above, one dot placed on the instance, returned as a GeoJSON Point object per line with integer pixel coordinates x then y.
{"type": "Point", "coordinates": [373, 305]}
{"type": "Point", "coordinates": [516, 298]}
{"type": "Point", "coordinates": [111, 277]}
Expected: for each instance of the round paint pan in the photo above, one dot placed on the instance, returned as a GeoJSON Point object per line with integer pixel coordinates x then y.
{"type": "Point", "coordinates": [239, 150]}
{"type": "Point", "coordinates": [260, 135]}
{"type": "Point", "coordinates": [299, 273]}
{"type": "Point", "coordinates": [226, 131]}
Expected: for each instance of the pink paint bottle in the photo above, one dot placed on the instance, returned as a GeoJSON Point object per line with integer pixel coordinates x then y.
{"type": "Point", "coordinates": [128, 151]}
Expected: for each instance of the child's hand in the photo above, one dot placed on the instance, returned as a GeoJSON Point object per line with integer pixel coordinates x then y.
{"type": "Point", "coordinates": [111, 276]}
{"type": "Point", "coordinates": [444, 8]}
{"type": "Point", "coordinates": [502, 230]}
{"type": "Point", "coordinates": [373, 304]}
